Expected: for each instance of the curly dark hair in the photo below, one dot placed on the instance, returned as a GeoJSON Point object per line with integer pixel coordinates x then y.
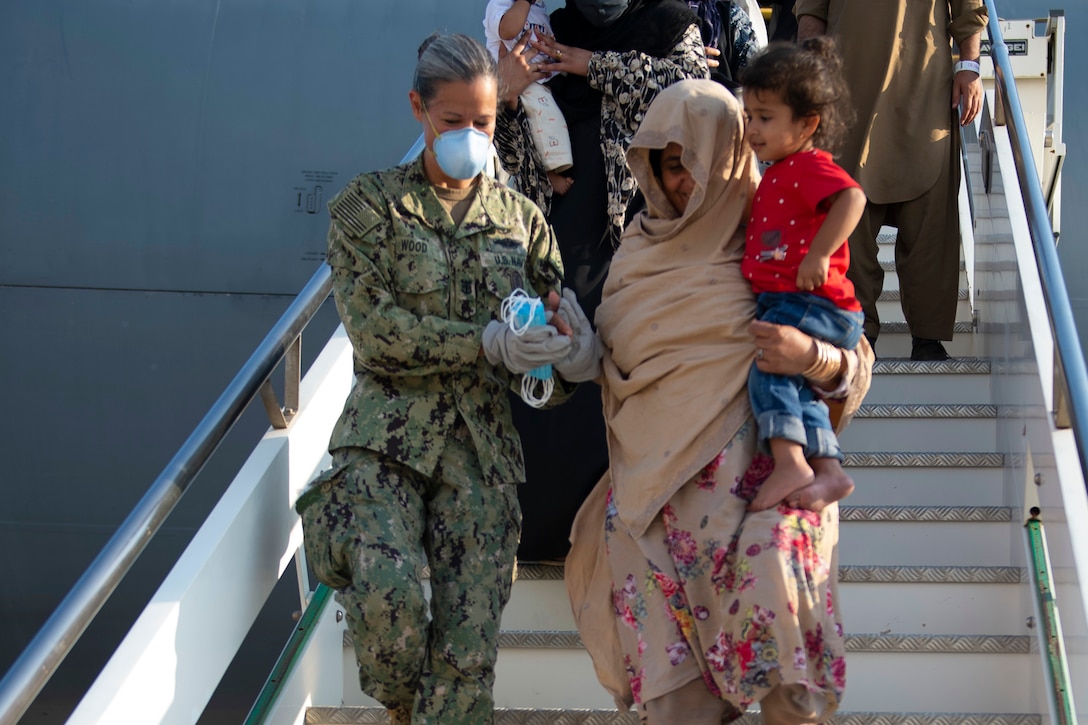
{"type": "Point", "coordinates": [808, 77]}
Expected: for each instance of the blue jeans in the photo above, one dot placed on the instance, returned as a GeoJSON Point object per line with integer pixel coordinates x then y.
{"type": "Point", "coordinates": [785, 406]}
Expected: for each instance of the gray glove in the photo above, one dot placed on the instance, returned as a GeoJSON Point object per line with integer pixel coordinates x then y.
{"type": "Point", "coordinates": [584, 360]}
{"type": "Point", "coordinates": [539, 345]}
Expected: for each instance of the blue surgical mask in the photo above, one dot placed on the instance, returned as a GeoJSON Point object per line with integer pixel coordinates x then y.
{"type": "Point", "coordinates": [462, 153]}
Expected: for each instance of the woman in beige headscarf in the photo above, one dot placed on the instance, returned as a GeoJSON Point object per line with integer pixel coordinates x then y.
{"type": "Point", "coordinates": [691, 607]}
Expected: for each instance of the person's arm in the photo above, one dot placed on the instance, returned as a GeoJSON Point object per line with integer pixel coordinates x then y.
{"type": "Point", "coordinates": [966, 83]}
{"type": "Point", "coordinates": [544, 270]}
{"type": "Point", "coordinates": [519, 156]}
{"type": "Point", "coordinates": [387, 338]}
{"type": "Point", "coordinates": [513, 20]}
{"type": "Point", "coordinates": [811, 18]}
{"type": "Point", "coordinates": [513, 136]}
{"type": "Point", "coordinates": [613, 71]}
{"type": "Point", "coordinates": [840, 377]}
{"type": "Point", "coordinates": [969, 17]}
{"type": "Point", "coordinates": [788, 351]}
{"type": "Point", "coordinates": [843, 214]}
{"type": "Point", "coordinates": [745, 41]}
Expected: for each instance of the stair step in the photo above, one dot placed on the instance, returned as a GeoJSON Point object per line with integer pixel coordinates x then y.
{"type": "Point", "coordinates": [888, 265]}
{"type": "Point", "coordinates": [926, 411]}
{"type": "Point", "coordinates": [894, 295]}
{"type": "Point", "coordinates": [914, 643]}
{"type": "Point", "coordinates": [935, 543]}
{"type": "Point", "coordinates": [545, 716]}
{"type": "Point", "coordinates": [891, 277]}
{"type": "Point", "coordinates": [991, 673]}
{"type": "Point", "coordinates": [946, 514]}
{"type": "Point", "coordinates": [892, 308]}
{"type": "Point", "coordinates": [857, 574]}
{"type": "Point", "coordinates": [895, 340]}
{"type": "Point", "coordinates": [896, 327]}
{"type": "Point", "coordinates": [899, 380]}
{"type": "Point", "coordinates": [907, 600]}
{"type": "Point", "coordinates": [885, 459]}
{"type": "Point", "coordinates": [905, 366]}
{"type": "Point", "coordinates": [922, 427]}
{"type": "Point", "coordinates": [915, 487]}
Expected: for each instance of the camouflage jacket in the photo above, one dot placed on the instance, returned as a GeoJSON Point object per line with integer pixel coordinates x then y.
{"type": "Point", "coordinates": [414, 294]}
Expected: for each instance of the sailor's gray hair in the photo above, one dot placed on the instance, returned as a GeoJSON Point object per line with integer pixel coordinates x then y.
{"type": "Point", "coordinates": [447, 58]}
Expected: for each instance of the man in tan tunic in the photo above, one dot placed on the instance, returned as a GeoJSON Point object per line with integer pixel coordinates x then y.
{"type": "Point", "coordinates": [904, 147]}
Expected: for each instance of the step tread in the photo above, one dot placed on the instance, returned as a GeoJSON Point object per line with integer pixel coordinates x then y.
{"type": "Point", "coordinates": [886, 410]}
{"type": "Point", "coordinates": [894, 295]}
{"type": "Point", "coordinates": [961, 514]}
{"type": "Point", "coordinates": [922, 460]}
{"type": "Point", "coordinates": [894, 327]}
{"type": "Point", "coordinates": [530, 571]}
{"type": "Point", "coordinates": [956, 366]}
{"type": "Point", "coordinates": [520, 716]}
{"type": "Point", "coordinates": [864, 642]}
{"type": "Point", "coordinates": [861, 642]}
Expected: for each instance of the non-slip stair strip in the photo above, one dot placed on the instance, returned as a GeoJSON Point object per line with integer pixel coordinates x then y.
{"type": "Point", "coordinates": [378, 716]}
{"type": "Point", "coordinates": [926, 411]}
{"type": "Point", "coordinates": [922, 460]}
{"type": "Point", "coordinates": [861, 574]}
{"type": "Point", "coordinates": [894, 295]}
{"type": "Point", "coordinates": [932, 574]}
{"type": "Point", "coordinates": [375, 716]}
{"type": "Point", "coordinates": [897, 643]}
{"type": "Point", "coordinates": [889, 266]}
{"type": "Point", "coordinates": [951, 514]}
{"type": "Point", "coordinates": [903, 366]}
{"type": "Point", "coordinates": [900, 643]}
{"type": "Point", "coordinates": [901, 327]}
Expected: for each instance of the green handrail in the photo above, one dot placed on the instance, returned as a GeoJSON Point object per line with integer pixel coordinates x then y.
{"type": "Point", "coordinates": [285, 665]}
{"type": "Point", "coordinates": [1057, 669]}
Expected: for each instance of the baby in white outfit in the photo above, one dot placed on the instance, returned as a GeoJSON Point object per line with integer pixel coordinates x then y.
{"type": "Point", "coordinates": [545, 119]}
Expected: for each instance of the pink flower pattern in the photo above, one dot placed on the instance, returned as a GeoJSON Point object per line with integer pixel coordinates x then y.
{"type": "Point", "coordinates": [706, 590]}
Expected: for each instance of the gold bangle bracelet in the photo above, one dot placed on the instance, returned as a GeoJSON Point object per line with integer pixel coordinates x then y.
{"type": "Point", "coordinates": [827, 365]}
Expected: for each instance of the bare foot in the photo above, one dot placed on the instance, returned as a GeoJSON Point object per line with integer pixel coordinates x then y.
{"type": "Point", "coordinates": [831, 484]}
{"type": "Point", "coordinates": [791, 473]}
{"type": "Point", "coordinates": [560, 184]}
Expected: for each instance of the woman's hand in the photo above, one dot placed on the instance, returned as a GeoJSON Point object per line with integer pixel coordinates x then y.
{"type": "Point", "coordinates": [565, 58]}
{"type": "Point", "coordinates": [551, 307]}
{"type": "Point", "coordinates": [515, 71]}
{"type": "Point", "coordinates": [712, 55]}
{"type": "Point", "coordinates": [781, 349]}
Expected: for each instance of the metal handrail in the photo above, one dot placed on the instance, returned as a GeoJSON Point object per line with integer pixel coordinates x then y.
{"type": "Point", "coordinates": [1072, 370]}
{"type": "Point", "coordinates": [1059, 692]}
{"type": "Point", "coordinates": [37, 663]}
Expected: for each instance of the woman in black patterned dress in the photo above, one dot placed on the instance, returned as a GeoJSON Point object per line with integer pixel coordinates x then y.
{"type": "Point", "coordinates": [614, 57]}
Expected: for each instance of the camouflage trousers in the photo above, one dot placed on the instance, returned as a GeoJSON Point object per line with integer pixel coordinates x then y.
{"type": "Point", "coordinates": [370, 525]}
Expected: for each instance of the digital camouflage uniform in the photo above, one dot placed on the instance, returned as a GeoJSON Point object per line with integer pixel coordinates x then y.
{"type": "Point", "coordinates": [425, 456]}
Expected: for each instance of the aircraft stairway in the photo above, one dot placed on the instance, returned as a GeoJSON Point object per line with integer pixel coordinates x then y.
{"type": "Point", "coordinates": [930, 591]}
{"type": "Point", "coordinates": [967, 531]}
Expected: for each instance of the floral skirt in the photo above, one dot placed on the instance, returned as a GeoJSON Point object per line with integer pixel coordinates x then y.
{"type": "Point", "coordinates": [744, 601]}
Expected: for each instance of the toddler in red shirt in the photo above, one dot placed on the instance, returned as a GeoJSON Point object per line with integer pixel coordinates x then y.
{"type": "Point", "coordinates": [796, 254]}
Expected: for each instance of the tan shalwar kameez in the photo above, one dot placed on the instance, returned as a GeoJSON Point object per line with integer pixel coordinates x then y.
{"type": "Point", "coordinates": [904, 147]}
{"type": "Point", "coordinates": [689, 606]}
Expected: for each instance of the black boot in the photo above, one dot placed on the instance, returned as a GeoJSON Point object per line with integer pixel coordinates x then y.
{"type": "Point", "coordinates": [925, 349]}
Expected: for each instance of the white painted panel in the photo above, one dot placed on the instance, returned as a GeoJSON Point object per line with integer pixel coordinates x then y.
{"type": "Point", "coordinates": [172, 659]}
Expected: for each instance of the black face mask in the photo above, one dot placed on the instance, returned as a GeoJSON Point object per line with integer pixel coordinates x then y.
{"type": "Point", "coordinates": [600, 13]}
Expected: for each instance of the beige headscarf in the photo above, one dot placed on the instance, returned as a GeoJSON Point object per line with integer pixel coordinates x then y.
{"type": "Point", "coordinates": [675, 310]}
